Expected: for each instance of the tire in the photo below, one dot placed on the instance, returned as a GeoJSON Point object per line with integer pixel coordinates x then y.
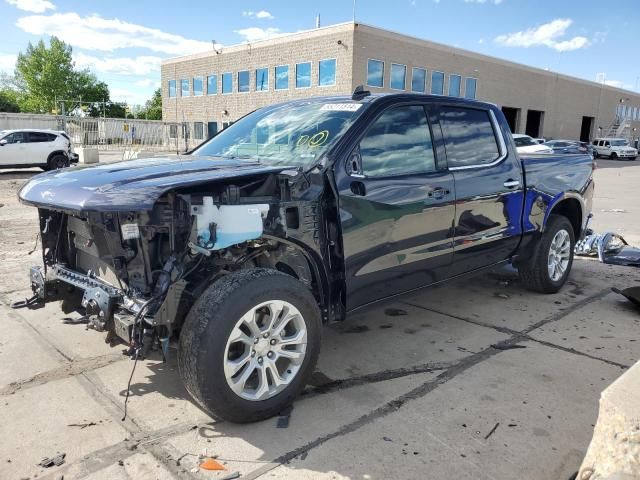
{"type": "Point", "coordinates": [57, 162]}
{"type": "Point", "coordinates": [205, 352]}
{"type": "Point", "coordinates": [613, 156]}
{"type": "Point", "coordinates": [534, 273]}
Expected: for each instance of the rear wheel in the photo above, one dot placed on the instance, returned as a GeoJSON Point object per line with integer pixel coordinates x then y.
{"type": "Point", "coordinates": [57, 162]}
{"type": "Point", "coordinates": [249, 344]}
{"type": "Point", "coordinates": [548, 269]}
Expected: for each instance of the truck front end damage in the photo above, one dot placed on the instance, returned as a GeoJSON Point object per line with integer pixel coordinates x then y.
{"type": "Point", "coordinates": [136, 273]}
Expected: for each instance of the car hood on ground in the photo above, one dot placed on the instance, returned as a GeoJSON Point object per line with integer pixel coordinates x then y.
{"type": "Point", "coordinates": [132, 185]}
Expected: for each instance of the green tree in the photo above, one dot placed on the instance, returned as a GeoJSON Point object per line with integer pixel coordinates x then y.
{"type": "Point", "coordinates": [152, 108]}
{"type": "Point", "coordinates": [9, 100]}
{"type": "Point", "coordinates": [45, 74]}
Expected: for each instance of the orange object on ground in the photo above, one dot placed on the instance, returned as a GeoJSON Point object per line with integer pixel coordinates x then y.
{"type": "Point", "coordinates": [211, 464]}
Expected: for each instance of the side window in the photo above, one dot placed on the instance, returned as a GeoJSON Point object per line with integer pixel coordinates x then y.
{"type": "Point", "coordinates": [607, 144]}
{"type": "Point", "coordinates": [40, 137]}
{"type": "Point", "coordinates": [18, 137]}
{"type": "Point", "coordinates": [469, 136]}
{"type": "Point", "coordinates": [398, 142]}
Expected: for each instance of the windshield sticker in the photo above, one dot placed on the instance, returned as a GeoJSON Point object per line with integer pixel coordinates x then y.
{"type": "Point", "coordinates": [341, 107]}
{"type": "Point", "coordinates": [130, 231]}
{"type": "Point", "coordinates": [315, 140]}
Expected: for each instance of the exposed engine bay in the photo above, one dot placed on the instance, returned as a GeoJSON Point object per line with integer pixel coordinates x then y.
{"type": "Point", "coordinates": [136, 274]}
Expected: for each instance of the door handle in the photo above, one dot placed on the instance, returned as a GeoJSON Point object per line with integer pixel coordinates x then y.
{"type": "Point", "coordinates": [438, 193]}
{"type": "Point", "coordinates": [511, 183]}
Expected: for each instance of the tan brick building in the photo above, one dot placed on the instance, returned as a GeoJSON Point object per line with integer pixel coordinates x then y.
{"type": "Point", "coordinates": [206, 91]}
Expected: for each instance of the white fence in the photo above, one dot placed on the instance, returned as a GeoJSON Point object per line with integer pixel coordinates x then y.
{"type": "Point", "coordinates": [108, 133]}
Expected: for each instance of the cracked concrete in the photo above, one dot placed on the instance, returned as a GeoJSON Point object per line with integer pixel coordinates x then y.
{"type": "Point", "coordinates": [409, 389]}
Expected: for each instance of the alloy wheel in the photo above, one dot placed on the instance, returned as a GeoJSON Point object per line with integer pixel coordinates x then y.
{"type": "Point", "coordinates": [265, 350]}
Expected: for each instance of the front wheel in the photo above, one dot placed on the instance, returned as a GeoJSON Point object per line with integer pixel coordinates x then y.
{"type": "Point", "coordinates": [249, 344]}
{"type": "Point", "coordinates": [548, 269]}
{"type": "Point", "coordinates": [613, 156]}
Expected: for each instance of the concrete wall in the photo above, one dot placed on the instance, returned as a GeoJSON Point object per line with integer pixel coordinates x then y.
{"type": "Point", "coordinates": [310, 46]}
{"type": "Point", "coordinates": [565, 100]}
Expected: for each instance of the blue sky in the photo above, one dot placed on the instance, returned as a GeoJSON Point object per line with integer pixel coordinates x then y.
{"type": "Point", "coordinates": [123, 42]}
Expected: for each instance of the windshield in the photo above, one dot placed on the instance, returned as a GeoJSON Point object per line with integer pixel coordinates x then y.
{"type": "Point", "coordinates": [619, 143]}
{"type": "Point", "coordinates": [524, 141]}
{"type": "Point", "coordinates": [295, 135]}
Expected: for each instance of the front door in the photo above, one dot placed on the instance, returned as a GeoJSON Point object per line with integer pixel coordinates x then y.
{"type": "Point", "coordinates": [14, 152]}
{"type": "Point", "coordinates": [396, 208]}
{"type": "Point", "coordinates": [489, 187]}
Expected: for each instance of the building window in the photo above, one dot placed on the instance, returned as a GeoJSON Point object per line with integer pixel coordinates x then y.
{"type": "Point", "coordinates": [172, 88]}
{"type": "Point", "coordinates": [262, 79]}
{"type": "Point", "coordinates": [470, 86]}
{"type": "Point", "coordinates": [375, 73]}
{"type": "Point", "coordinates": [198, 130]}
{"type": "Point", "coordinates": [197, 86]}
{"type": "Point", "coordinates": [243, 81]}
{"type": "Point", "coordinates": [282, 77]}
{"type": "Point", "coordinates": [398, 76]}
{"type": "Point", "coordinates": [212, 129]}
{"type": "Point", "coordinates": [173, 131]}
{"type": "Point", "coordinates": [437, 83]}
{"type": "Point", "coordinates": [212, 84]}
{"type": "Point", "coordinates": [184, 87]}
{"type": "Point", "coordinates": [303, 75]}
{"type": "Point", "coordinates": [227, 83]}
{"type": "Point", "coordinates": [418, 80]}
{"type": "Point", "coordinates": [455, 81]}
{"type": "Point", "coordinates": [327, 73]}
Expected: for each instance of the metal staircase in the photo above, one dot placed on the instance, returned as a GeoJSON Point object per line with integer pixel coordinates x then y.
{"type": "Point", "coordinates": [619, 128]}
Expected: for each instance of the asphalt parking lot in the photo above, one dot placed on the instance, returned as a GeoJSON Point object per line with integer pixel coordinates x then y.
{"type": "Point", "coordinates": [478, 379]}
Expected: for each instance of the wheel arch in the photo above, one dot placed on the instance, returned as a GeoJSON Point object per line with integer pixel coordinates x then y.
{"type": "Point", "coordinates": [572, 207]}
{"type": "Point", "coordinates": [54, 153]}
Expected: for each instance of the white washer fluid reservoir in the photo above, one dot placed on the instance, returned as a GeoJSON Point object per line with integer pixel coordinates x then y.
{"type": "Point", "coordinates": [234, 223]}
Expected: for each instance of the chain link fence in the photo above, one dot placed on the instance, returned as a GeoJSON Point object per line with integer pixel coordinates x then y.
{"type": "Point", "coordinates": [109, 133]}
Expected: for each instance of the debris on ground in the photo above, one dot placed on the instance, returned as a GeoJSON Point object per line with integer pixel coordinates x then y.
{"type": "Point", "coordinates": [495, 427]}
{"type": "Point", "coordinates": [211, 464]}
{"type": "Point", "coordinates": [82, 425]}
{"type": "Point", "coordinates": [501, 295]}
{"type": "Point", "coordinates": [56, 460]}
{"type": "Point", "coordinates": [284, 417]}
{"type": "Point", "coordinates": [610, 248]}
{"type": "Point", "coordinates": [632, 294]}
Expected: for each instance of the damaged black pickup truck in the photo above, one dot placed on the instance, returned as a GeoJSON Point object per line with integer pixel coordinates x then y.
{"type": "Point", "coordinates": [294, 216]}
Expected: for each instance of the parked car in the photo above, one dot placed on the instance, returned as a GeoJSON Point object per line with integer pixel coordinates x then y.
{"type": "Point", "coordinates": [526, 144]}
{"type": "Point", "coordinates": [614, 148]}
{"type": "Point", "coordinates": [295, 216]}
{"type": "Point", "coordinates": [48, 149]}
{"type": "Point", "coordinates": [539, 140]}
{"type": "Point", "coordinates": [571, 146]}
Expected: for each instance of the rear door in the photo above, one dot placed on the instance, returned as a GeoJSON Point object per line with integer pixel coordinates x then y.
{"type": "Point", "coordinates": [396, 207]}
{"type": "Point", "coordinates": [489, 187]}
{"type": "Point", "coordinates": [41, 144]}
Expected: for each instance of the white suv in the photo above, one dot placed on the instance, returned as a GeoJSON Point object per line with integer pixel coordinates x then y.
{"type": "Point", "coordinates": [48, 149]}
{"type": "Point", "coordinates": [614, 148]}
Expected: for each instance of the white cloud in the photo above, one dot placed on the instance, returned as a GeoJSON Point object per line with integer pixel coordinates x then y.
{"type": "Point", "coordinates": [495, 2]}
{"type": "Point", "coordinates": [141, 65]}
{"type": "Point", "coordinates": [8, 63]}
{"type": "Point", "coordinates": [254, 34]}
{"type": "Point", "coordinates": [96, 33]}
{"type": "Point", "coordinates": [118, 94]}
{"type": "Point", "coordinates": [147, 82]}
{"type": "Point", "coordinates": [547, 35]}
{"type": "Point", "coordinates": [259, 14]}
{"type": "Point", "coordinates": [35, 6]}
